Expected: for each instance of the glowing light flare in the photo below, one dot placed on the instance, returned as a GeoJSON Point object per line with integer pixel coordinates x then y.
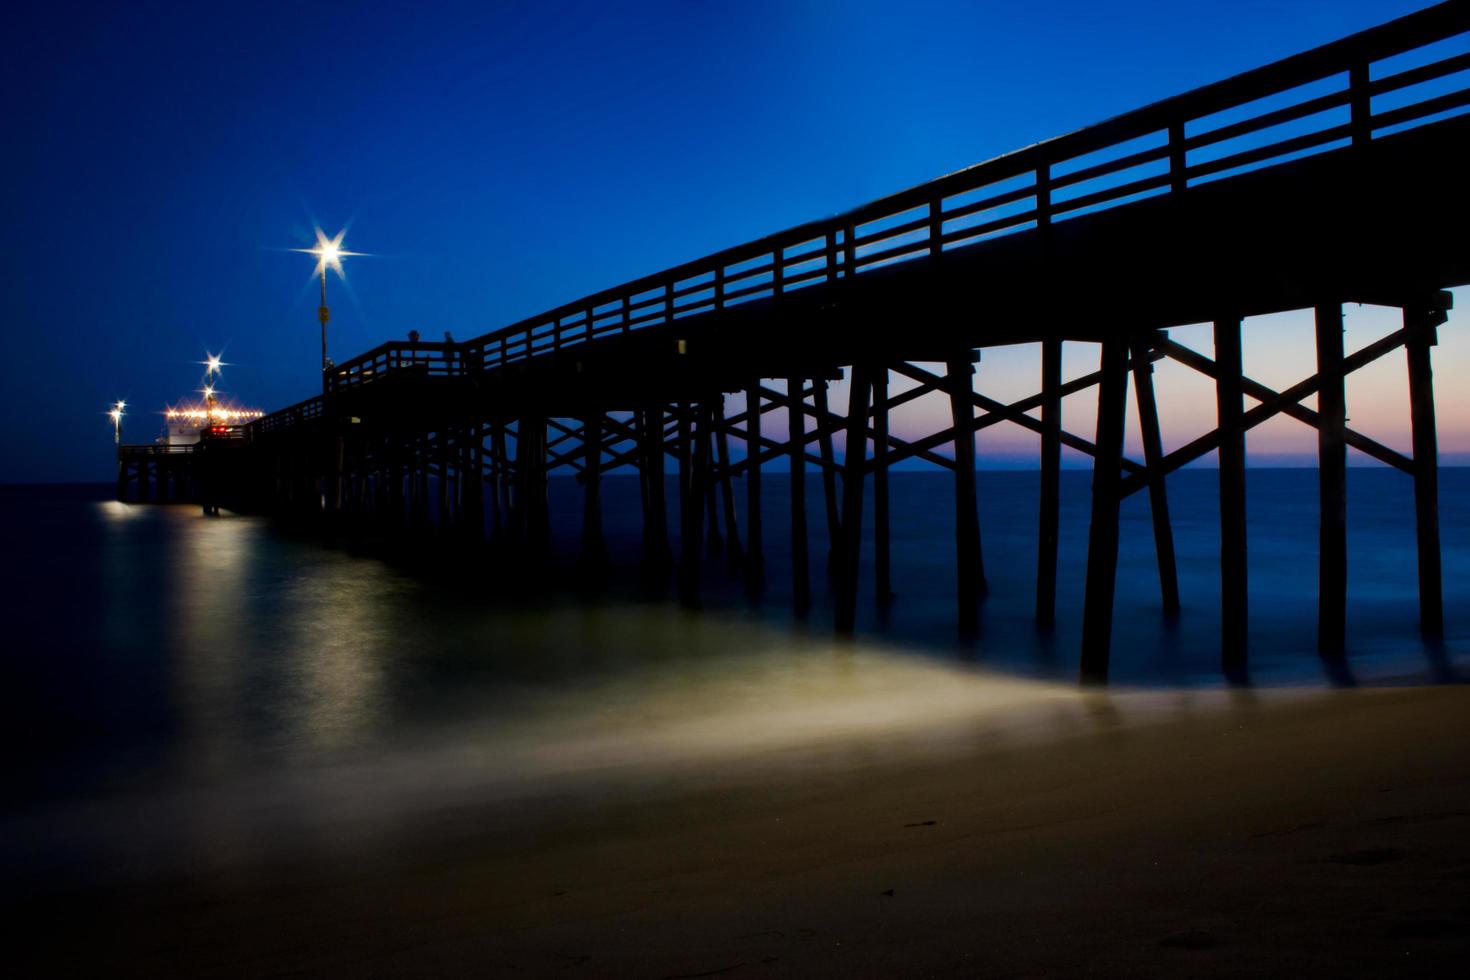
{"type": "Point", "coordinates": [329, 252]}
{"type": "Point", "coordinates": [212, 363]}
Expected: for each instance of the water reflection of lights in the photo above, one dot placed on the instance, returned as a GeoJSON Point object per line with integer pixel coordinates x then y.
{"type": "Point", "coordinates": [336, 635]}
{"type": "Point", "coordinates": [210, 654]}
{"type": "Point", "coordinates": [115, 511]}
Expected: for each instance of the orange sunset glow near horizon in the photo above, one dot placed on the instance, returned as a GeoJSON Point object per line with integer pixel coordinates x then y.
{"type": "Point", "coordinates": [1278, 352]}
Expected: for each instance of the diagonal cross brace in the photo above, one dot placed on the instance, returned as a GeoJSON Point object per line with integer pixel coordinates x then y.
{"type": "Point", "coordinates": [1192, 451]}
{"type": "Point", "coordinates": [1301, 413]}
{"type": "Point", "coordinates": [997, 412]}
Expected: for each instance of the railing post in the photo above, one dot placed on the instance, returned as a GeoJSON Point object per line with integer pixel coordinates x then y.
{"type": "Point", "coordinates": [936, 226]}
{"type": "Point", "coordinates": [849, 250]}
{"type": "Point", "coordinates": [1359, 101]}
{"type": "Point", "coordinates": [778, 270]}
{"type": "Point", "coordinates": [669, 301]}
{"type": "Point", "coordinates": [1178, 173]}
{"type": "Point", "coordinates": [720, 286]}
{"type": "Point", "coordinates": [1043, 194]}
{"type": "Point", "coordinates": [831, 250]}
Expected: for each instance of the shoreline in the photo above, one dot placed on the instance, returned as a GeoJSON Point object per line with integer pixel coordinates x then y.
{"type": "Point", "coordinates": [1315, 834]}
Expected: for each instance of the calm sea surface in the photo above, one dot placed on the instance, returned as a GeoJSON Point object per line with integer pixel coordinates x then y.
{"type": "Point", "coordinates": [150, 652]}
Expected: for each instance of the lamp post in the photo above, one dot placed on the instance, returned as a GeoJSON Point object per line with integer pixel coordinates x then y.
{"type": "Point", "coordinates": [329, 254]}
{"type": "Point", "coordinates": [116, 414]}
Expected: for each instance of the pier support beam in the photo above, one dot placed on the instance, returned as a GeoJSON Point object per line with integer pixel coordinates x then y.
{"type": "Point", "coordinates": [532, 519]}
{"type": "Point", "coordinates": [970, 565]}
{"type": "Point", "coordinates": [471, 483]}
{"type": "Point", "coordinates": [754, 554]}
{"type": "Point", "coordinates": [1332, 462]}
{"type": "Point", "coordinates": [716, 543]}
{"type": "Point", "coordinates": [1102, 544]}
{"type": "Point", "coordinates": [829, 470]}
{"type": "Point", "coordinates": [1158, 493]}
{"type": "Point", "coordinates": [801, 589]}
{"type": "Point", "coordinates": [1051, 462]}
{"type": "Point", "coordinates": [594, 547]}
{"type": "Point", "coordinates": [441, 490]}
{"type": "Point", "coordinates": [1421, 337]}
{"type": "Point", "coordinates": [655, 506]}
{"type": "Point", "coordinates": [1234, 594]}
{"type": "Point", "coordinates": [854, 464]}
{"type": "Point", "coordinates": [733, 551]}
{"type": "Point", "coordinates": [496, 477]}
{"type": "Point", "coordinates": [882, 567]}
{"type": "Point", "coordinates": [695, 469]}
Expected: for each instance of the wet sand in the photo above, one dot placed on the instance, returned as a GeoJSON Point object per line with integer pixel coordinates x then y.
{"type": "Point", "coordinates": [1313, 834]}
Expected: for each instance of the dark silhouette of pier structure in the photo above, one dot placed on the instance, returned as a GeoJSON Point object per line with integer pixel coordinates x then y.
{"type": "Point", "coordinates": [1337, 175]}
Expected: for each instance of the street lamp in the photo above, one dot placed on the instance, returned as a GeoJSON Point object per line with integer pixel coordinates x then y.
{"type": "Point", "coordinates": [116, 414]}
{"type": "Point", "coordinates": [329, 254]}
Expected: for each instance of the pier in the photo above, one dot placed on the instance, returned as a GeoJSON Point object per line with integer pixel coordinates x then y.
{"type": "Point", "coordinates": [1334, 176]}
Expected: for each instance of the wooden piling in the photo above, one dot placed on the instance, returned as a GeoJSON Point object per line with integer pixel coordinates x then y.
{"type": "Point", "coordinates": [497, 469]}
{"type": "Point", "coordinates": [754, 553]}
{"type": "Point", "coordinates": [882, 569]}
{"type": "Point", "coordinates": [801, 589]}
{"type": "Point", "coordinates": [1158, 494]}
{"type": "Point", "coordinates": [594, 546]}
{"type": "Point", "coordinates": [727, 485]}
{"type": "Point", "coordinates": [1421, 337]}
{"type": "Point", "coordinates": [471, 484]}
{"type": "Point", "coordinates": [715, 541]}
{"type": "Point", "coordinates": [1230, 407]}
{"type": "Point", "coordinates": [655, 518]}
{"type": "Point", "coordinates": [1102, 543]}
{"type": "Point", "coordinates": [696, 468]}
{"type": "Point", "coordinates": [829, 469]}
{"type": "Point", "coordinates": [970, 568]}
{"type": "Point", "coordinates": [540, 511]}
{"type": "Point", "coordinates": [441, 439]}
{"type": "Point", "coordinates": [850, 527]}
{"type": "Point", "coordinates": [1050, 495]}
{"type": "Point", "coordinates": [1332, 462]}
{"type": "Point", "coordinates": [684, 422]}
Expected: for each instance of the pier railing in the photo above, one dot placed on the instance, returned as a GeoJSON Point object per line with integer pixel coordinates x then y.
{"type": "Point", "coordinates": [1406, 73]}
{"type": "Point", "coordinates": [1347, 92]}
{"type": "Point", "coordinates": [286, 418]}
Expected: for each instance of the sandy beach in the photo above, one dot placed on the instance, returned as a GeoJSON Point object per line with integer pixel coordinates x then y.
{"type": "Point", "coordinates": [1148, 834]}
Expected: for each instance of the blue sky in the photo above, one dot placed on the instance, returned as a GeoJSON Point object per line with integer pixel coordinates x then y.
{"type": "Point", "coordinates": [496, 159]}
